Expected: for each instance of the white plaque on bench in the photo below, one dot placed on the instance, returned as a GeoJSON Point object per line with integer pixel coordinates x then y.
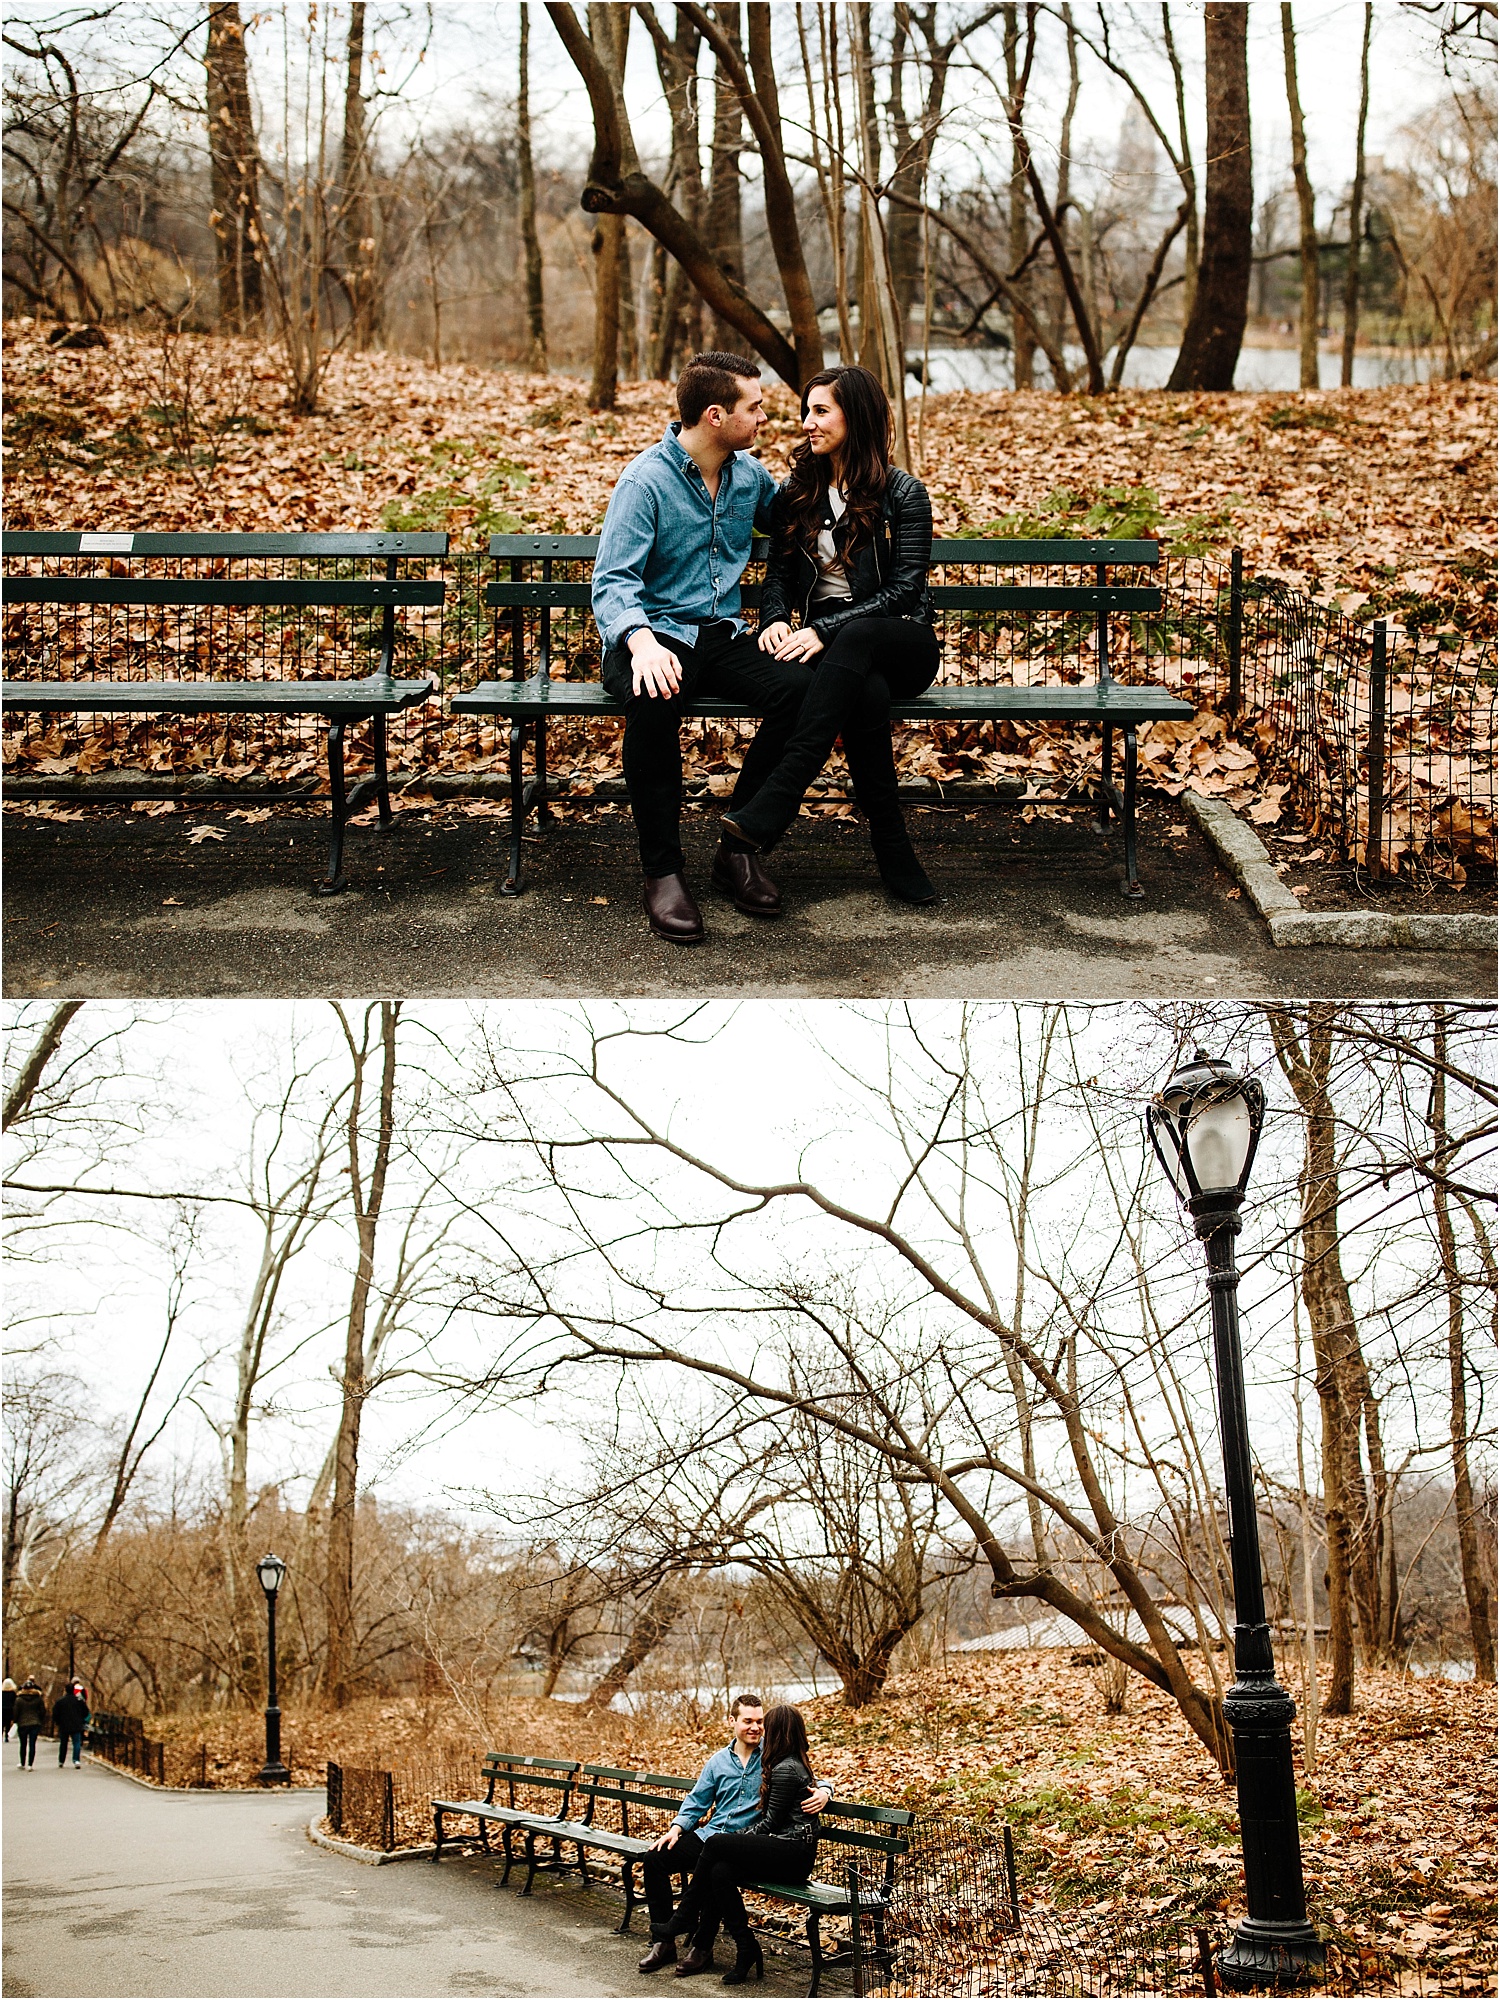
{"type": "Point", "coordinates": [105, 545]}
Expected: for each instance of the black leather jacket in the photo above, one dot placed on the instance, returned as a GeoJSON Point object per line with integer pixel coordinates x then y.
{"type": "Point", "coordinates": [783, 1817]}
{"type": "Point", "coordinates": [888, 577]}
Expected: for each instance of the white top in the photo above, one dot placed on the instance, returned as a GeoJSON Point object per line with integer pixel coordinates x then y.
{"type": "Point", "coordinates": [832, 583]}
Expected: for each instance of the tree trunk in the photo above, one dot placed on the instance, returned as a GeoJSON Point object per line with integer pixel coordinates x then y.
{"type": "Point", "coordinates": [609, 31]}
{"type": "Point", "coordinates": [724, 227]}
{"type": "Point", "coordinates": [1307, 225]}
{"type": "Point", "coordinates": [1466, 1514]}
{"type": "Point", "coordinates": [1186, 170]}
{"type": "Point", "coordinates": [652, 1623]}
{"type": "Point", "coordinates": [1216, 325]}
{"type": "Point", "coordinates": [1356, 210]}
{"type": "Point", "coordinates": [367, 1199]}
{"type": "Point", "coordinates": [630, 342]}
{"type": "Point", "coordinates": [234, 171]}
{"type": "Point", "coordinates": [536, 316]}
{"type": "Point", "coordinates": [1023, 340]}
{"type": "Point", "coordinates": [679, 325]}
{"type": "Point", "coordinates": [18, 1097]}
{"type": "Point", "coordinates": [354, 176]}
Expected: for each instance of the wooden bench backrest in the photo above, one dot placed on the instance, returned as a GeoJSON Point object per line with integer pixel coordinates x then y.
{"type": "Point", "coordinates": [197, 589]}
{"type": "Point", "coordinates": [36, 542]}
{"type": "Point", "coordinates": [608, 1784]}
{"type": "Point", "coordinates": [513, 1768]}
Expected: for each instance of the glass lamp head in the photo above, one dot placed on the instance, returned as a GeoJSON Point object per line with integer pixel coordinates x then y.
{"type": "Point", "coordinates": [1204, 1125]}
{"type": "Point", "coordinates": [270, 1570]}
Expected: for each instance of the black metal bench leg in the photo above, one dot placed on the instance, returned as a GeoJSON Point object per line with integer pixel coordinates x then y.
{"type": "Point", "coordinates": [510, 1859]}
{"type": "Point", "coordinates": [382, 774]}
{"type": "Point", "coordinates": [815, 1946]}
{"type": "Point", "coordinates": [1106, 779]}
{"type": "Point", "coordinates": [1131, 885]}
{"type": "Point", "coordinates": [513, 885]}
{"type": "Point", "coordinates": [437, 1835]}
{"type": "Point", "coordinates": [627, 1876]}
{"type": "Point", "coordinates": [531, 1863]}
{"type": "Point", "coordinates": [334, 882]}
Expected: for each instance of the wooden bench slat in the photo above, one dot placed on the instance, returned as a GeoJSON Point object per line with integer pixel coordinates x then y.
{"type": "Point", "coordinates": [358, 542]}
{"type": "Point", "coordinates": [1083, 597]}
{"type": "Point", "coordinates": [1049, 553]}
{"type": "Point", "coordinates": [248, 591]}
{"type": "Point", "coordinates": [374, 696]}
{"type": "Point", "coordinates": [1108, 701]}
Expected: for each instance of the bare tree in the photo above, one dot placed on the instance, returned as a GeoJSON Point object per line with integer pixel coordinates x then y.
{"type": "Point", "coordinates": [1357, 207]}
{"type": "Point", "coordinates": [23, 1086]}
{"type": "Point", "coordinates": [536, 314]}
{"type": "Point", "coordinates": [234, 159]}
{"type": "Point", "coordinates": [1307, 227]}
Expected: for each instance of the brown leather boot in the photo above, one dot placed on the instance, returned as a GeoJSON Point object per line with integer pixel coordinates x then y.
{"type": "Point", "coordinates": [663, 1952]}
{"type": "Point", "coordinates": [699, 1959]}
{"type": "Point", "coordinates": [744, 881]}
{"type": "Point", "coordinates": [670, 909]}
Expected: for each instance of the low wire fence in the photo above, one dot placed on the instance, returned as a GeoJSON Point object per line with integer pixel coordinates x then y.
{"type": "Point", "coordinates": [1382, 740]}
{"type": "Point", "coordinates": [122, 1740]}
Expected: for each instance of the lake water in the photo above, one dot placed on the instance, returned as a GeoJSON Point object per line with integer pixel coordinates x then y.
{"type": "Point", "coordinates": [1275, 368]}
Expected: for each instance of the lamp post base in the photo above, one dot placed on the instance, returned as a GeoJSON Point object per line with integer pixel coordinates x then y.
{"type": "Point", "coordinates": [273, 1774]}
{"type": "Point", "coordinates": [1262, 1953]}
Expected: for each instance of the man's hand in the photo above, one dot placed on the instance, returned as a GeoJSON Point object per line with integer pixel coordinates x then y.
{"type": "Point", "coordinates": [774, 636]}
{"type": "Point", "coordinates": [654, 668]}
{"type": "Point", "coordinates": [803, 645]}
{"type": "Point", "coordinates": [817, 1799]}
{"type": "Point", "coordinates": [669, 1838]}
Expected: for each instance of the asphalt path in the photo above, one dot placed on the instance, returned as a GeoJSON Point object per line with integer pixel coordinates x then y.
{"type": "Point", "coordinates": [113, 903]}
{"type": "Point", "coordinates": [112, 1888]}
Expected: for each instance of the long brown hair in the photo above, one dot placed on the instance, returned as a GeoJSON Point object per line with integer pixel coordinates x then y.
{"type": "Point", "coordinates": [866, 456]}
{"type": "Point", "coordinates": [786, 1736]}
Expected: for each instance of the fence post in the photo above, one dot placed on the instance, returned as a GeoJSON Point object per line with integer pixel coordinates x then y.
{"type": "Point", "coordinates": [1010, 1875]}
{"type": "Point", "coordinates": [1375, 758]}
{"type": "Point", "coordinates": [1206, 1963]}
{"type": "Point", "coordinates": [1236, 625]}
{"type": "Point", "coordinates": [856, 1953]}
{"type": "Point", "coordinates": [388, 1814]}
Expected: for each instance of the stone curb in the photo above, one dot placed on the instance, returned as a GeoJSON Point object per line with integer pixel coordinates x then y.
{"type": "Point", "coordinates": [194, 1791]}
{"type": "Point", "coordinates": [371, 1856]}
{"type": "Point", "coordinates": [1246, 857]}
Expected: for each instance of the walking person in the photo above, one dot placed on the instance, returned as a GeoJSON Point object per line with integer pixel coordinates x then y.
{"type": "Point", "coordinates": [779, 1845]}
{"type": "Point", "coordinates": [8, 1704]}
{"type": "Point", "coordinates": [729, 1786]}
{"type": "Point", "coordinates": [70, 1717]}
{"type": "Point", "coordinates": [31, 1720]}
{"type": "Point", "coordinates": [851, 540]}
{"type": "Point", "coordinates": [666, 599]}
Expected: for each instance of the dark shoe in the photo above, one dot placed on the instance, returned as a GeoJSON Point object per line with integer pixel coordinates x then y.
{"type": "Point", "coordinates": [670, 909]}
{"type": "Point", "coordinates": [741, 878]}
{"type": "Point", "coordinates": [663, 1952]}
{"type": "Point", "coordinates": [902, 873]}
{"type": "Point", "coordinates": [748, 1962]}
{"type": "Point", "coordinates": [699, 1959]}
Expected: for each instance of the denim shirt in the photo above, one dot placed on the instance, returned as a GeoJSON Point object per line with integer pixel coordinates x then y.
{"type": "Point", "coordinates": [669, 557]}
{"type": "Point", "coordinates": [730, 1787]}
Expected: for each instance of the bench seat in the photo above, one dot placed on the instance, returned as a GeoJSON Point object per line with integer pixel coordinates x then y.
{"type": "Point", "coordinates": [353, 700]}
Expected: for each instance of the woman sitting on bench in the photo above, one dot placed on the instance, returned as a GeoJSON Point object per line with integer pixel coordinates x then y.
{"type": "Point", "coordinates": [778, 1847]}
{"type": "Point", "coordinates": [851, 541]}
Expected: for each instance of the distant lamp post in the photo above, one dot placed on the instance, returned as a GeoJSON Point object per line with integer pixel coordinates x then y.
{"type": "Point", "coordinates": [72, 1622]}
{"type": "Point", "coordinates": [1204, 1126]}
{"type": "Point", "coordinates": [270, 1570]}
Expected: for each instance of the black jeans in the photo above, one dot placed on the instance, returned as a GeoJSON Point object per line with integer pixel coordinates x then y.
{"type": "Point", "coordinates": [64, 1738]}
{"type": "Point", "coordinates": [657, 1869]}
{"type": "Point", "coordinates": [865, 665]}
{"type": "Point", "coordinates": [722, 664]}
{"type": "Point", "coordinates": [27, 1739]}
{"type": "Point", "coordinates": [730, 1859]}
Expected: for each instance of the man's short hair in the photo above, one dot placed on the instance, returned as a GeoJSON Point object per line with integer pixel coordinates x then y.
{"type": "Point", "coordinates": [745, 1701]}
{"type": "Point", "coordinates": [712, 378]}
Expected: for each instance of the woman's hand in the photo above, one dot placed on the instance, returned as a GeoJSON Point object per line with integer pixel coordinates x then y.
{"type": "Point", "coordinates": [803, 645]}
{"type": "Point", "coordinates": [774, 636]}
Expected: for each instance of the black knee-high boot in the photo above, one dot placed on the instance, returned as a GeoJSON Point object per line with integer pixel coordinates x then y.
{"type": "Point", "coordinates": [835, 695]}
{"type": "Point", "coordinates": [748, 1961]}
{"type": "Point", "coordinates": [872, 772]}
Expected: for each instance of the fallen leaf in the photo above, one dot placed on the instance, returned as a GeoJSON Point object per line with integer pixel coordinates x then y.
{"type": "Point", "coordinates": [202, 833]}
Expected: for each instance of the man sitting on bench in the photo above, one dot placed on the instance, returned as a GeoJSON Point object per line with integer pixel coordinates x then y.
{"type": "Point", "coordinates": [666, 599]}
{"type": "Point", "coordinates": [729, 1786]}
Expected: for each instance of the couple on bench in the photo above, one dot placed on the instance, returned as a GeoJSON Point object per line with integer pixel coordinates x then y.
{"type": "Point", "coordinates": [765, 1805]}
{"type": "Point", "coordinates": [850, 542]}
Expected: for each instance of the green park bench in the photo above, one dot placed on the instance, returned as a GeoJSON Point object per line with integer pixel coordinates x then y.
{"type": "Point", "coordinates": [872, 1829]}
{"type": "Point", "coordinates": [201, 576]}
{"type": "Point", "coordinates": [532, 694]}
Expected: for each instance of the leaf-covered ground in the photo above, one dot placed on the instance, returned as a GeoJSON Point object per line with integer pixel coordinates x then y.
{"type": "Point", "coordinates": [1381, 500]}
{"type": "Point", "coordinates": [1398, 1819]}
{"type": "Point", "coordinates": [1381, 495]}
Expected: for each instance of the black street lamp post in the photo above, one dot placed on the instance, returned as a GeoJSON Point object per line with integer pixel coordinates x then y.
{"type": "Point", "coordinates": [270, 1570]}
{"type": "Point", "coordinates": [1203, 1127]}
